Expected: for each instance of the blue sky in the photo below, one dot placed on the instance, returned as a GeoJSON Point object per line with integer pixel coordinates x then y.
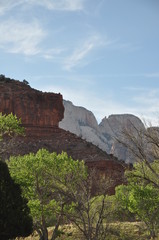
{"type": "Point", "coordinates": [99, 54]}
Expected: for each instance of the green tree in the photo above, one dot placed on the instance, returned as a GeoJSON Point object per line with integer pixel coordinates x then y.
{"type": "Point", "coordinates": [10, 125]}
{"type": "Point", "coordinates": [141, 198]}
{"type": "Point", "coordinates": [14, 212]}
{"type": "Point", "coordinates": [91, 208]}
{"type": "Point", "coordinates": [145, 173]}
{"type": "Point", "coordinates": [45, 178]}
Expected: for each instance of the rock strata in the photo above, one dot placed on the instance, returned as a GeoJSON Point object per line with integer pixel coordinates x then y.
{"type": "Point", "coordinates": [36, 109]}
{"type": "Point", "coordinates": [40, 114]}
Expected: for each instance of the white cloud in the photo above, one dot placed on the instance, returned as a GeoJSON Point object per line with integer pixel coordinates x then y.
{"type": "Point", "coordinates": [79, 55]}
{"type": "Point", "coordinates": [6, 5]}
{"type": "Point", "coordinates": [19, 37]}
{"type": "Point", "coordinates": [61, 5]}
{"type": "Point", "coordinates": [52, 53]}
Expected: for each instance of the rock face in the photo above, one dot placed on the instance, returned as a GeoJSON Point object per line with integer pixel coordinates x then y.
{"type": "Point", "coordinates": [40, 114]}
{"type": "Point", "coordinates": [77, 118]}
{"type": "Point", "coordinates": [83, 123]}
{"type": "Point", "coordinates": [36, 109]}
{"type": "Point", "coordinates": [112, 128]}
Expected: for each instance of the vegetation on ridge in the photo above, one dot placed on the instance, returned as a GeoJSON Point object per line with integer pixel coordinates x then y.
{"type": "Point", "coordinates": [60, 190]}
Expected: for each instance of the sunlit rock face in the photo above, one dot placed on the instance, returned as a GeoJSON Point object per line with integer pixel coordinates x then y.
{"type": "Point", "coordinates": [113, 129]}
{"type": "Point", "coordinates": [75, 118]}
{"type": "Point", "coordinates": [35, 108]}
{"type": "Point", "coordinates": [40, 114]}
{"type": "Point", "coordinates": [83, 123]}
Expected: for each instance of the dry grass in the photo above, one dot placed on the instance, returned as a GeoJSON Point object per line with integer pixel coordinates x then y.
{"type": "Point", "coordinates": [120, 231]}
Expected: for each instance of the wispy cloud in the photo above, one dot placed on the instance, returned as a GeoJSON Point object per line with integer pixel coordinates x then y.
{"type": "Point", "coordinates": [152, 75]}
{"type": "Point", "coordinates": [6, 5]}
{"type": "Point", "coordinates": [61, 5]}
{"type": "Point", "coordinates": [20, 37]}
{"type": "Point", "coordinates": [145, 103]}
{"type": "Point", "coordinates": [78, 57]}
{"type": "Point", "coordinates": [52, 53]}
{"type": "Point", "coordinates": [127, 46]}
{"type": "Point", "coordinates": [149, 98]}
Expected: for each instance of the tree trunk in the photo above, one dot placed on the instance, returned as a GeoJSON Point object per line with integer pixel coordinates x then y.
{"type": "Point", "coordinates": [54, 234]}
{"type": "Point", "coordinates": [45, 234]}
{"type": "Point", "coordinates": [152, 234]}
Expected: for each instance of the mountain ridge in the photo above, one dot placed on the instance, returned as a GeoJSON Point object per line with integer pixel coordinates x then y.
{"type": "Point", "coordinates": [83, 123]}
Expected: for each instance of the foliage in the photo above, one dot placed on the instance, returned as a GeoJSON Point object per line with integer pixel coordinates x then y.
{"type": "Point", "coordinates": [14, 212]}
{"type": "Point", "coordinates": [44, 178]}
{"type": "Point", "coordinates": [10, 125]}
{"type": "Point", "coordinates": [140, 197]}
{"type": "Point", "coordinates": [143, 188]}
{"type": "Point", "coordinates": [88, 213]}
{"type": "Point", "coordinates": [146, 173]}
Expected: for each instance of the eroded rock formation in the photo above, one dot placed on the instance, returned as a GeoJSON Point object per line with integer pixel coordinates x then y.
{"type": "Point", "coordinates": [82, 122]}
{"type": "Point", "coordinates": [36, 109]}
{"type": "Point", "coordinates": [40, 114]}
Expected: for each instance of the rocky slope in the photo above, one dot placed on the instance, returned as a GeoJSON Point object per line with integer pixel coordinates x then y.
{"type": "Point", "coordinates": [40, 113]}
{"type": "Point", "coordinates": [83, 123]}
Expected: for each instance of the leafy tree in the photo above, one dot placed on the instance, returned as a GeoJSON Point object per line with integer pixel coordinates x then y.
{"type": "Point", "coordinates": [90, 214]}
{"type": "Point", "coordinates": [141, 198]}
{"type": "Point", "coordinates": [141, 194]}
{"type": "Point", "coordinates": [10, 125]}
{"type": "Point", "coordinates": [120, 205]}
{"type": "Point", "coordinates": [14, 212]}
{"type": "Point", "coordinates": [145, 173]}
{"type": "Point", "coordinates": [45, 178]}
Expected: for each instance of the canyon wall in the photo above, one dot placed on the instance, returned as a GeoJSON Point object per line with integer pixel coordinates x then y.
{"type": "Point", "coordinates": [40, 114]}
{"type": "Point", "coordinates": [36, 109]}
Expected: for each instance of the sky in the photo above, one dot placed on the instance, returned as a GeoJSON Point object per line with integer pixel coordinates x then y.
{"type": "Point", "coordinates": [99, 54]}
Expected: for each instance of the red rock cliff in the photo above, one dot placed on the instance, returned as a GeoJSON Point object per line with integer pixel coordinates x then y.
{"type": "Point", "coordinates": [35, 108]}
{"type": "Point", "coordinates": [40, 114]}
